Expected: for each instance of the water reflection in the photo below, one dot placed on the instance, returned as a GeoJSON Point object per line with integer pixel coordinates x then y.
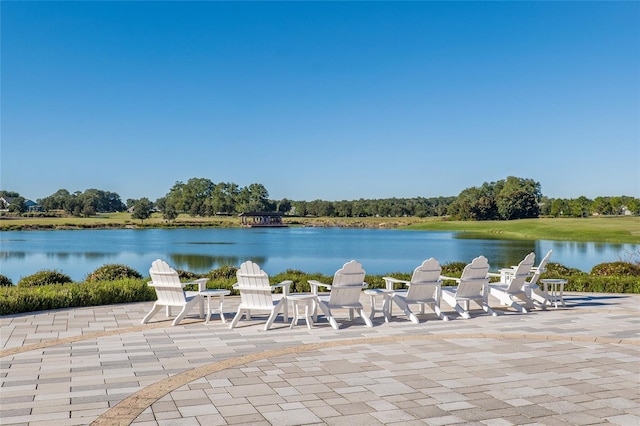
{"type": "Point", "coordinates": [89, 256]}
{"type": "Point", "coordinates": [323, 250]}
{"type": "Point", "coordinates": [204, 263]}
{"type": "Point", "coordinates": [7, 255]}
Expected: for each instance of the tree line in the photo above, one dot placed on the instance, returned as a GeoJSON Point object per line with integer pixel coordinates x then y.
{"type": "Point", "coordinates": [506, 199]}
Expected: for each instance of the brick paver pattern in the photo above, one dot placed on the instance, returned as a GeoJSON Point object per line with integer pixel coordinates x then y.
{"type": "Point", "coordinates": [579, 365]}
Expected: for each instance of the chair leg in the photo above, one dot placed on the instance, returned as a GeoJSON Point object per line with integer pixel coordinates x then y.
{"type": "Point", "coordinates": [181, 315]}
{"type": "Point", "coordinates": [507, 300]}
{"type": "Point", "coordinates": [539, 297]}
{"type": "Point", "coordinates": [464, 313]}
{"type": "Point", "coordinates": [485, 306]}
{"type": "Point", "coordinates": [274, 314]}
{"type": "Point", "coordinates": [519, 307]}
{"type": "Point", "coordinates": [438, 311]}
{"type": "Point", "coordinates": [236, 318]}
{"type": "Point", "coordinates": [366, 319]}
{"type": "Point", "coordinates": [327, 313]}
{"type": "Point", "coordinates": [402, 304]}
{"type": "Point", "coordinates": [156, 308]}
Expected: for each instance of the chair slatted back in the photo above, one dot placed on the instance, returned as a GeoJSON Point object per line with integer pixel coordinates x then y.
{"type": "Point", "coordinates": [424, 280]}
{"type": "Point", "coordinates": [541, 269]}
{"type": "Point", "coordinates": [167, 284]}
{"type": "Point", "coordinates": [521, 273]}
{"type": "Point", "coordinates": [254, 286]}
{"type": "Point", "coordinates": [347, 284]}
{"type": "Point", "coordinates": [474, 278]}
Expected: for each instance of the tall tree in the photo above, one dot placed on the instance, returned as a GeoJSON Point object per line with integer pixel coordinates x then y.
{"type": "Point", "coordinates": [142, 209]}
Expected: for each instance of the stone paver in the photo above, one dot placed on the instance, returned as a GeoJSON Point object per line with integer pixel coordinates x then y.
{"type": "Point", "coordinates": [578, 365]}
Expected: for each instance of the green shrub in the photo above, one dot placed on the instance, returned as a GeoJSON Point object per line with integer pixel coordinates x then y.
{"type": "Point", "coordinates": [5, 281]}
{"type": "Point", "coordinates": [227, 272]}
{"type": "Point", "coordinates": [379, 282]}
{"type": "Point", "coordinates": [15, 300]}
{"type": "Point", "coordinates": [556, 270]}
{"type": "Point", "coordinates": [44, 277]}
{"type": "Point", "coordinates": [623, 269]}
{"type": "Point", "coordinates": [112, 272]}
{"type": "Point", "coordinates": [602, 284]}
{"type": "Point", "coordinates": [453, 269]}
{"type": "Point", "coordinates": [186, 275]}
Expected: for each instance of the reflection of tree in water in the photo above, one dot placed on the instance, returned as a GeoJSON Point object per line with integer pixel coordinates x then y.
{"type": "Point", "coordinates": [514, 257]}
{"type": "Point", "coordinates": [90, 255]}
{"type": "Point", "coordinates": [508, 254]}
{"type": "Point", "coordinates": [199, 263]}
{"type": "Point", "coordinates": [5, 255]}
{"type": "Point", "coordinates": [99, 255]}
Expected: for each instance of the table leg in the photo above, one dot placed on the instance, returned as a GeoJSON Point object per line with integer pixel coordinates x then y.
{"type": "Point", "coordinates": [373, 306]}
{"type": "Point", "coordinates": [386, 308]}
{"type": "Point", "coordinates": [222, 318]}
{"type": "Point", "coordinates": [307, 314]}
{"type": "Point", "coordinates": [561, 295]}
{"type": "Point", "coordinates": [294, 320]}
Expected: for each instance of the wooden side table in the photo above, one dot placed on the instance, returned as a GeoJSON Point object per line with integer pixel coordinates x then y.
{"type": "Point", "coordinates": [557, 289]}
{"type": "Point", "coordinates": [298, 301]}
{"type": "Point", "coordinates": [386, 302]}
{"type": "Point", "coordinates": [221, 293]}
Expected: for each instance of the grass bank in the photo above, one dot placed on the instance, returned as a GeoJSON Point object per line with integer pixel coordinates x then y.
{"type": "Point", "coordinates": [624, 229]}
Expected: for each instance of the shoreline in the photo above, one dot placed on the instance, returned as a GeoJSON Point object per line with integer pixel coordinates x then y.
{"type": "Point", "coordinates": [612, 229]}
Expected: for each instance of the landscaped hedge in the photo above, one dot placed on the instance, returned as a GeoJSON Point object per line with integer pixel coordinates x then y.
{"type": "Point", "coordinates": [112, 272]}
{"type": "Point", "coordinates": [595, 284]}
{"type": "Point", "coordinates": [44, 277]}
{"type": "Point", "coordinates": [15, 300]}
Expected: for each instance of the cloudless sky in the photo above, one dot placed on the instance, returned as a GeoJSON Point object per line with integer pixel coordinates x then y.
{"type": "Point", "coordinates": [320, 100]}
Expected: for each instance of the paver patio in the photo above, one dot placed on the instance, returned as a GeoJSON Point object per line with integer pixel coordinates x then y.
{"type": "Point", "coordinates": [577, 365]}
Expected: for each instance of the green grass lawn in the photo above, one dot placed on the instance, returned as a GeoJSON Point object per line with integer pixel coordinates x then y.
{"type": "Point", "coordinates": [624, 229]}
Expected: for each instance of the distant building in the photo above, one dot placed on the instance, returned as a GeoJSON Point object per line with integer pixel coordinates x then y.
{"type": "Point", "coordinates": [262, 220]}
{"type": "Point", "coordinates": [30, 206]}
{"type": "Point", "coordinates": [5, 202]}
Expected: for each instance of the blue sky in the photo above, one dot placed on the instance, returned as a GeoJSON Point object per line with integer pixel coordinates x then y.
{"type": "Point", "coordinates": [320, 100]}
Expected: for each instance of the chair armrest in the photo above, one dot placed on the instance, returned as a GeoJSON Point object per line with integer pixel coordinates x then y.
{"type": "Point", "coordinates": [390, 281]}
{"type": "Point", "coordinates": [493, 274]}
{"type": "Point", "coordinates": [202, 283]}
{"type": "Point", "coordinates": [315, 284]}
{"type": "Point", "coordinates": [445, 278]}
{"type": "Point", "coordinates": [285, 286]}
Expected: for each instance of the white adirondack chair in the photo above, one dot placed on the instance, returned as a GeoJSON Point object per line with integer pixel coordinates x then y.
{"type": "Point", "coordinates": [423, 289]}
{"type": "Point", "coordinates": [533, 290]}
{"type": "Point", "coordinates": [170, 292]}
{"type": "Point", "coordinates": [256, 294]}
{"type": "Point", "coordinates": [344, 293]}
{"type": "Point", "coordinates": [472, 287]}
{"type": "Point", "coordinates": [508, 292]}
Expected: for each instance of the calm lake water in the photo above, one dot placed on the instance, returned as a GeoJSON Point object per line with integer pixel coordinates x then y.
{"type": "Point", "coordinates": [79, 252]}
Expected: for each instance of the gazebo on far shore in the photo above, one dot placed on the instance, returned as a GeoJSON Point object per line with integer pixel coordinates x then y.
{"type": "Point", "coordinates": [262, 220]}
